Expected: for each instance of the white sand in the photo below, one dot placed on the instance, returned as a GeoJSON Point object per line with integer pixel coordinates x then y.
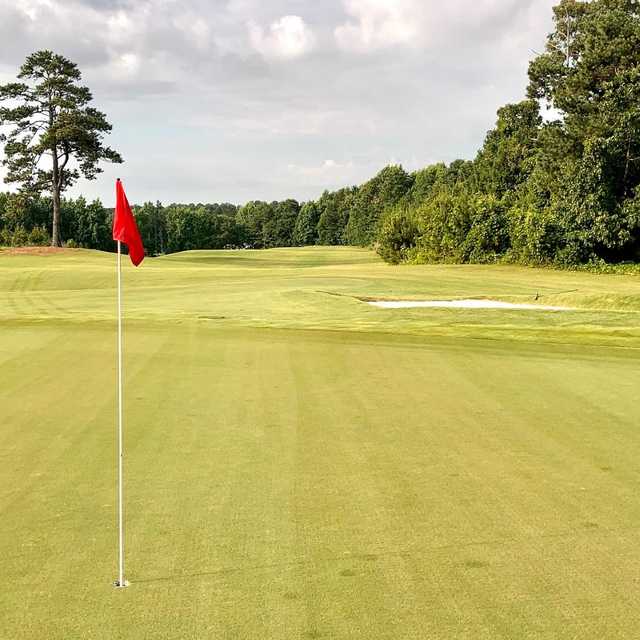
{"type": "Point", "coordinates": [462, 304]}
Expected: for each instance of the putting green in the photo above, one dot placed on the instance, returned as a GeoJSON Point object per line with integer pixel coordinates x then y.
{"type": "Point", "coordinates": [303, 465]}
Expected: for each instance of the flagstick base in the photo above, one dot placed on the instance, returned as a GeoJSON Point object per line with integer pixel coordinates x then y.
{"type": "Point", "coordinates": [124, 584]}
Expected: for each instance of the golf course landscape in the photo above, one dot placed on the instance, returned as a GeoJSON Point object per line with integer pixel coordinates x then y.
{"type": "Point", "coordinates": [300, 464]}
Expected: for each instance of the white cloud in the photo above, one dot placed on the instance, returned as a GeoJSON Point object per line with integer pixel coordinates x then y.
{"type": "Point", "coordinates": [32, 8]}
{"type": "Point", "coordinates": [289, 37]}
{"type": "Point", "coordinates": [312, 178]}
{"type": "Point", "coordinates": [379, 24]}
{"type": "Point", "coordinates": [122, 28]}
{"type": "Point", "coordinates": [329, 169]}
{"type": "Point", "coordinates": [195, 29]}
{"type": "Point", "coordinates": [305, 120]}
{"type": "Point", "coordinates": [240, 126]}
{"type": "Point", "coordinates": [128, 63]}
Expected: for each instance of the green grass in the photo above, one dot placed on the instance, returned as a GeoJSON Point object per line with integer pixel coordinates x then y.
{"type": "Point", "coordinates": [302, 465]}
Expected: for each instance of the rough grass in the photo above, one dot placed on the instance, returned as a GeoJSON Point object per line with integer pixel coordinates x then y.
{"type": "Point", "coordinates": [302, 465]}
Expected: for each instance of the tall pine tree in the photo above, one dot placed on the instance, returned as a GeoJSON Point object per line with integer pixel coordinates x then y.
{"type": "Point", "coordinates": [55, 136]}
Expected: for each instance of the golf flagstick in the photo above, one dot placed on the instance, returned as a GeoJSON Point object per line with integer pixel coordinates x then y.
{"type": "Point", "coordinates": [120, 582]}
{"type": "Point", "coordinates": [125, 230]}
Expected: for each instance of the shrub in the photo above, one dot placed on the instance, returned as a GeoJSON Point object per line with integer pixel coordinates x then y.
{"type": "Point", "coordinates": [39, 237]}
{"type": "Point", "coordinates": [444, 223]}
{"type": "Point", "coordinates": [398, 235]}
{"type": "Point", "coordinates": [534, 235]}
{"type": "Point", "coordinates": [18, 237]}
{"type": "Point", "coordinates": [487, 239]}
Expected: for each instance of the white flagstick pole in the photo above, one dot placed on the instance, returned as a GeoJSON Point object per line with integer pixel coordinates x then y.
{"type": "Point", "coordinates": [121, 582]}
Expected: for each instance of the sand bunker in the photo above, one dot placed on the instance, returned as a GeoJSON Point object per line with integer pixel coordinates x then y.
{"type": "Point", "coordinates": [461, 304]}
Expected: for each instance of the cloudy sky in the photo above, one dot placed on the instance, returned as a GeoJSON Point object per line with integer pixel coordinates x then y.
{"type": "Point", "coordinates": [231, 100]}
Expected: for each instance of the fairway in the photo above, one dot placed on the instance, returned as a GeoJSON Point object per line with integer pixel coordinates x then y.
{"type": "Point", "coordinates": [300, 464]}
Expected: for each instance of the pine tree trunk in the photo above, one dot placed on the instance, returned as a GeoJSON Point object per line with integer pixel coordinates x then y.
{"type": "Point", "coordinates": [56, 240]}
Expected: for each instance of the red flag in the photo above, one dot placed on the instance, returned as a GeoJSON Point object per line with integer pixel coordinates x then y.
{"type": "Point", "coordinates": [125, 228]}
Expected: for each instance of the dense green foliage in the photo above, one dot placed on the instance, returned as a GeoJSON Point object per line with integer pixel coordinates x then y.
{"type": "Point", "coordinates": [560, 189]}
{"type": "Point", "coordinates": [370, 202]}
{"type": "Point", "coordinates": [24, 219]}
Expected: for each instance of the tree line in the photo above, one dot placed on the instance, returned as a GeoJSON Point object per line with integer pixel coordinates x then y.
{"type": "Point", "coordinates": [555, 182]}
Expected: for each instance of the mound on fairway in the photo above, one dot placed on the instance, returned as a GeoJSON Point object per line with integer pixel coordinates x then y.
{"type": "Point", "coordinates": [464, 304]}
{"type": "Point", "coordinates": [303, 465]}
{"type": "Point", "coordinates": [35, 251]}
